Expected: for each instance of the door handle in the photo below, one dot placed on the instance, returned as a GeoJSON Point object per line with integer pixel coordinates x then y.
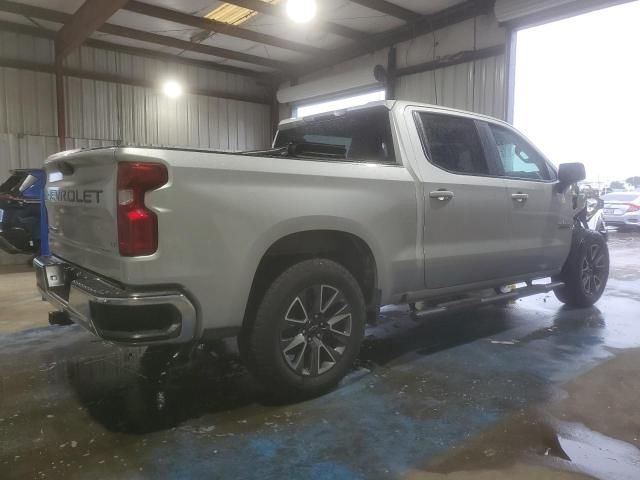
{"type": "Point", "coordinates": [442, 195]}
{"type": "Point", "coordinates": [520, 197]}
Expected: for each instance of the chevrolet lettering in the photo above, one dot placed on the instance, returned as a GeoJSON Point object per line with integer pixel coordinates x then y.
{"type": "Point", "coordinates": [73, 196]}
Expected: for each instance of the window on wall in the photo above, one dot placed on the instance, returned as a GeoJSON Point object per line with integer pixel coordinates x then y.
{"type": "Point", "coordinates": [339, 104]}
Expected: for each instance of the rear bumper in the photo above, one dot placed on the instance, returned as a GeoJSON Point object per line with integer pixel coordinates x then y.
{"type": "Point", "coordinates": [122, 315]}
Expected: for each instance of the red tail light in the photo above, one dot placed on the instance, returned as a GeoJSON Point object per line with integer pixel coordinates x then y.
{"type": "Point", "coordinates": [137, 225]}
{"type": "Point", "coordinates": [633, 208]}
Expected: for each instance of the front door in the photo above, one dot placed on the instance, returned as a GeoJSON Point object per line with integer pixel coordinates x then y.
{"type": "Point", "coordinates": [541, 217]}
{"type": "Point", "coordinates": [466, 218]}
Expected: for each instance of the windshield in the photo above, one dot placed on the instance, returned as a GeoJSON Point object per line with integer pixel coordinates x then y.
{"type": "Point", "coordinates": [357, 136]}
{"type": "Point", "coordinates": [12, 185]}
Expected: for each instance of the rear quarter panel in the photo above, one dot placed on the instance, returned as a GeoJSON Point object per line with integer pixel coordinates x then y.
{"type": "Point", "coordinates": [220, 213]}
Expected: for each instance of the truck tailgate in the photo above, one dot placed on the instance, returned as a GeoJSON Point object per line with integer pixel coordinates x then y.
{"type": "Point", "coordinates": [80, 197]}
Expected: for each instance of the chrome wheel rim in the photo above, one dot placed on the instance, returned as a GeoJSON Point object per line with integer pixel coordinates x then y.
{"type": "Point", "coordinates": [316, 330]}
{"type": "Point", "coordinates": [593, 270]}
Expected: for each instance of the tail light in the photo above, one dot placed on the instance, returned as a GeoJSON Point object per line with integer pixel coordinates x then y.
{"type": "Point", "coordinates": [633, 208]}
{"type": "Point", "coordinates": [137, 225]}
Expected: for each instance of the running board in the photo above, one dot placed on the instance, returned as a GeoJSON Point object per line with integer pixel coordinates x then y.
{"type": "Point", "coordinates": [482, 301]}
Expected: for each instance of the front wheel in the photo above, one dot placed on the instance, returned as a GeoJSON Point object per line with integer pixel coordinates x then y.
{"type": "Point", "coordinates": [308, 328]}
{"type": "Point", "coordinates": [586, 271]}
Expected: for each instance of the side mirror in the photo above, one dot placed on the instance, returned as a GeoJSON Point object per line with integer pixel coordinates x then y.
{"type": "Point", "coordinates": [570, 173]}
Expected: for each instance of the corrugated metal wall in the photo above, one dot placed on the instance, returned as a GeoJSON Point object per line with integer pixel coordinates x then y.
{"type": "Point", "coordinates": [101, 113]}
{"type": "Point", "coordinates": [478, 86]}
{"type": "Point", "coordinates": [475, 86]}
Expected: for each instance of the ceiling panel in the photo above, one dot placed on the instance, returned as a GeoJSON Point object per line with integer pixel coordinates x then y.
{"type": "Point", "coordinates": [258, 49]}
{"type": "Point", "coordinates": [153, 25]}
{"type": "Point", "coordinates": [341, 12]}
{"type": "Point", "coordinates": [229, 63]}
{"type": "Point", "coordinates": [428, 7]}
{"type": "Point", "coordinates": [136, 43]}
{"type": "Point", "coordinates": [356, 16]}
{"type": "Point", "coordinates": [280, 27]}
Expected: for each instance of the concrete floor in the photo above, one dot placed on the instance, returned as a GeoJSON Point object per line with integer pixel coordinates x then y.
{"type": "Point", "coordinates": [529, 390]}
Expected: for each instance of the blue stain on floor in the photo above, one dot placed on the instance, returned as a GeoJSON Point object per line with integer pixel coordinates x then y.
{"type": "Point", "coordinates": [264, 448]}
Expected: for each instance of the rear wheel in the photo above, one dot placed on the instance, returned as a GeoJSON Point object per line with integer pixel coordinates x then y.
{"type": "Point", "coordinates": [308, 328]}
{"type": "Point", "coordinates": [586, 271]}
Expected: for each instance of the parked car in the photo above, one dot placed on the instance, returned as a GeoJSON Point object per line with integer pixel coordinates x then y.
{"type": "Point", "coordinates": [294, 249]}
{"type": "Point", "coordinates": [20, 199]}
{"type": "Point", "coordinates": [622, 209]}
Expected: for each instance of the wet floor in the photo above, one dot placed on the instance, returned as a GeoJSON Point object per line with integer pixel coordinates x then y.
{"type": "Point", "coordinates": [527, 390]}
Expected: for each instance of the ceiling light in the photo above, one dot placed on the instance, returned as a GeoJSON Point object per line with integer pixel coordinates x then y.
{"type": "Point", "coordinates": [172, 89]}
{"type": "Point", "coordinates": [301, 11]}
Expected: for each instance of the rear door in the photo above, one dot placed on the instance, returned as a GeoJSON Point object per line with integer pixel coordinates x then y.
{"type": "Point", "coordinates": [540, 217]}
{"type": "Point", "coordinates": [466, 222]}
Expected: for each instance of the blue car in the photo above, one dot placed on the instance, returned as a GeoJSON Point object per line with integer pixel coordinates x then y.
{"type": "Point", "coordinates": [21, 211]}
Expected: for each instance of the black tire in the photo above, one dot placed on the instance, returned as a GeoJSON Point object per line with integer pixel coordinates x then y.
{"type": "Point", "coordinates": [282, 344]}
{"type": "Point", "coordinates": [586, 271]}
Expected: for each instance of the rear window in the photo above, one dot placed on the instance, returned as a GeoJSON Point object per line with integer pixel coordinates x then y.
{"type": "Point", "coordinates": [357, 136]}
{"type": "Point", "coordinates": [621, 197]}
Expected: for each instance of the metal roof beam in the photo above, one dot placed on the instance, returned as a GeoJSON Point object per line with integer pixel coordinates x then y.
{"type": "Point", "coordinates": [118, 30]}
{"type": "Point", "coordinates": [91, 15]}
{"type": "Point", "coordinates": [142, 52]}
{"type": "Point", "coordinates": [277, 11]}
{"type": "Point", "coordinates": [389, 8]}
{"type": "Point", "coordinates": [218, 27]}
{"type": "Point", "coordinates": [422, 25]}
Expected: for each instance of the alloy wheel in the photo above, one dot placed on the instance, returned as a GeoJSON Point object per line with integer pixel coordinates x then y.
{"type": "Point", "coordinates": [593, 269]}
{"type": "Point", "coordinates": [316, 330]}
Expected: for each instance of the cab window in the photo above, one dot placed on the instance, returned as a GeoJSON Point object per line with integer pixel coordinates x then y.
{"type": "Point", "coordinates": [452, 143]}
{"type": "Point", "coordinates": [519, 159]}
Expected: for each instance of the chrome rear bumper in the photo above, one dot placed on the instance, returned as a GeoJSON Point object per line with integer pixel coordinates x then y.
{"type": "Point", "coordinates": [119, 314]}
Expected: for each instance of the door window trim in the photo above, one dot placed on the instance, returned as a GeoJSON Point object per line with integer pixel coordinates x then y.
{"type": "Point", "coordinates": [494, 171]}
{"type": "Point", "coordinates": [493, 152]}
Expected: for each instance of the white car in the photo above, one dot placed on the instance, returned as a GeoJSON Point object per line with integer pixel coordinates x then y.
{"type": "Point", "coordinates": [622, 209]}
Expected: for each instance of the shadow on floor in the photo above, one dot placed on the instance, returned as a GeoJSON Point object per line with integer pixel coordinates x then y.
{"type": "Point", "coordinates": [139, 391]}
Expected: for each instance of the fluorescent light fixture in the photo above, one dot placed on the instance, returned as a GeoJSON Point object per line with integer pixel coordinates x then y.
{"type": "Point", "coordinates": [172, 89]}
{"type": "Point", "coordinates": [301, 11]}
{"type": "Point", "coordinates": [339, 104]}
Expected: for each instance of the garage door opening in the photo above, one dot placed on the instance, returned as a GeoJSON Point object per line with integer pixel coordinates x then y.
{"type": "Point", "coordinates": [576, 90]}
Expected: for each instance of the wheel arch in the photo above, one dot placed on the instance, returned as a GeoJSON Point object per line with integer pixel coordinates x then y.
{"type": "Point", "coordinates": [341, 245]}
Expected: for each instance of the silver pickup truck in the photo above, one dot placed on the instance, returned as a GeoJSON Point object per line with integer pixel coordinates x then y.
{"type": "Point", "coordinates": [294, 249]}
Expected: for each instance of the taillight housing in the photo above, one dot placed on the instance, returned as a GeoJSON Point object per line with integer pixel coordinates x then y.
{"type": "Point", "coordinates": [633, 208]}
{"type": "Point", "coordinates": [137, 225]}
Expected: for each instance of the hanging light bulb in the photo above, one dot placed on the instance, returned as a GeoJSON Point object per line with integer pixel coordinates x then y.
{"type": "Point", "coordinates": [301, 11]}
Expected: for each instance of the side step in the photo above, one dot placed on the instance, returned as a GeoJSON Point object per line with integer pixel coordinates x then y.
{"type": "Point", "coordinates": [482, 301]}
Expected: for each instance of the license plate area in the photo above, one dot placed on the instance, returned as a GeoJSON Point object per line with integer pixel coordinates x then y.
{"type": "Point", "coordinates": [609, 211]}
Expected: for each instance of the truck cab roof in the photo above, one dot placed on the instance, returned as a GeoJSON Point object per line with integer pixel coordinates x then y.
{"type": "Point", "coordinates": [390, 105]}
